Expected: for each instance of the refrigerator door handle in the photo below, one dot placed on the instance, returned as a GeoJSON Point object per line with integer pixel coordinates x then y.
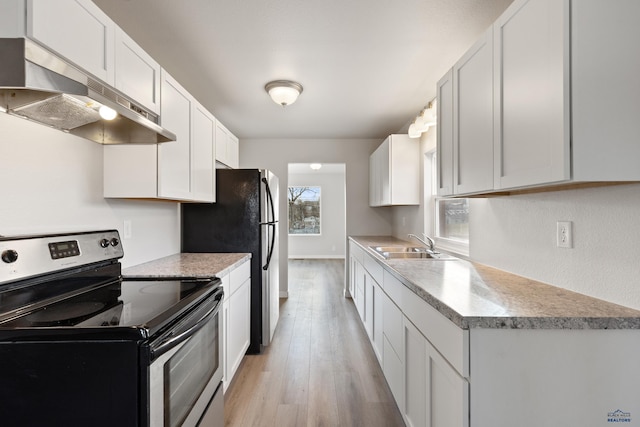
{"type": "Point", "coordinates": [273, 241]}
{"type": "Point", "coordinates": [269, 200]}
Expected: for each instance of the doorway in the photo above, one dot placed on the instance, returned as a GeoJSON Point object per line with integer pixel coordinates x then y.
{"type": "Point", "coordinates": [316, 215]}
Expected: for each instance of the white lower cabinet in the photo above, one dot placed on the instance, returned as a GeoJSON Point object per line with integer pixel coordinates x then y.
{"type": "Point", "coordinates": [443, 376]}
{"type": "Point", "coordinates": [236, 314]}
{"type": "Point", "coordinates": [436, 395]}
{"type": "Point", "coordinates": [554, 377]}
{"type": "Point", "coordinates": [411, 340]}
{"type": "Point", "coordinates": [393, 351]}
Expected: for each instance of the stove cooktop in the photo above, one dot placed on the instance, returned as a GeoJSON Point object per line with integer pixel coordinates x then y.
{"type": "Point", "coordinates": [142, 304]}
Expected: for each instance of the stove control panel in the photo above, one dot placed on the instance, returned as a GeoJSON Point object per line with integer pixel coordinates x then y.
{"type": "Point", "coordinates": [26, 256]}
{"type": "Point", "coordinates": [64, 249]}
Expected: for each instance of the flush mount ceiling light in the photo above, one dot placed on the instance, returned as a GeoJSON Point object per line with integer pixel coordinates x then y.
{"type": "Point", "coordinates": [315, 166]}
{"type": "Point", "coordinates": [283, 92]}
{"type": "Point", "coordinates": [423, 121]}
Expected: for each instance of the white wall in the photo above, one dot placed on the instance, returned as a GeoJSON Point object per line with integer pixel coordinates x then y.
{"type": "Point", "coordinates": [331, 242]}
{"type": "Point", "coordinates": [518, 234]}
{"type": "Point", "coordinates": [276, 154]}
{"type": "Point", "coordinates": [52, 182]}
{"type": "Point", "coordinates": [410, 219]}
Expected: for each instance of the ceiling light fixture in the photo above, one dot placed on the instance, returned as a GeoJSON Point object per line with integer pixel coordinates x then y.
{"type": "Point", "coordinates": [315, 166]}
{"type": "Point", "coordinates": [423, 121]}
{"type": "Point", "coordinates": [283, 92]}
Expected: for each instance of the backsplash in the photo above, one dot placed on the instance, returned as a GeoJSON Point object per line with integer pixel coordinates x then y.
{"type": "Point", "coordinates": [52, 182]}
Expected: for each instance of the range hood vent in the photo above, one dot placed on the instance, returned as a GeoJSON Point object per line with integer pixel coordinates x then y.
{"type": "Point", "coordinates": [41, 87]}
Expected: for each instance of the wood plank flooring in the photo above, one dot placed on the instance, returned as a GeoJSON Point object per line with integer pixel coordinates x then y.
{"type": "Point", "coordinates": [320, 369]}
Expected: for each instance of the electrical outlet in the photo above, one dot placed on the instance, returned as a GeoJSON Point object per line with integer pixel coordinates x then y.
{"type": "Point", "coordinates": [564, 234]}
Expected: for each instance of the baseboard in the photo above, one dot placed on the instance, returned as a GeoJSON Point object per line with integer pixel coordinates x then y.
{"type": "Point", "coordinates": [333, 256]}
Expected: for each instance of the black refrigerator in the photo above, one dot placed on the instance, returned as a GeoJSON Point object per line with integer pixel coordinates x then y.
{"type": "Point", "coordinates": [244, 218]}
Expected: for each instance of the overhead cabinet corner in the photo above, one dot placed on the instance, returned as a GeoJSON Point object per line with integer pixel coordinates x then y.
{"type": "Point", "coordinates": [563, 107]}
{"type": "Point", "coordinates": [394, 172]}
{"type": "Point", "coordinates": [83, 34]}
{"type": "Point", "coordinates": [77, 30]}
{"type": "Point", "coordinates": [227, 147]}
{"type": "Point", "coordinates": [181, 170]}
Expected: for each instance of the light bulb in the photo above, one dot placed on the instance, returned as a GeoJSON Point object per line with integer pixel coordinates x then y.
{"type": "Point", "coordinates": [107, 113]}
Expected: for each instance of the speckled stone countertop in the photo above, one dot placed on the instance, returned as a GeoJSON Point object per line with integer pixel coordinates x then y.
{"type": "Point", "coordinates": [473, 295]}
{"type": "Point", "coordinates": [188, 265]}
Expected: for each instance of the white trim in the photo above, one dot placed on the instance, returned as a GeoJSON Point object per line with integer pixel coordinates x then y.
{"type": "Point", "coordinates": [284, 294]}
{"type": "Point", "coordinates": [454, 246]}
{"type": "Point", "coordinates": [333, 256]}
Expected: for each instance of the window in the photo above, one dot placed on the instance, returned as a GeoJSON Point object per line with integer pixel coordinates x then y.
{"type": "Point", "coordinates": [451, 218]}
{"type": "Point", "coordinates": [304, 210]}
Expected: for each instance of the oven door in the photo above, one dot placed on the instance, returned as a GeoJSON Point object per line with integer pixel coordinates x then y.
{"type": "Point", "coordinates": [186, 367]}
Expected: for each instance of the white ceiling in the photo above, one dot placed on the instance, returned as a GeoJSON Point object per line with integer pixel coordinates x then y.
{"type": "Point", "coordinates": [367, 66]}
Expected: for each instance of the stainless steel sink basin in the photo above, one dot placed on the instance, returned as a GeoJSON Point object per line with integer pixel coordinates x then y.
{"type": "Point", "coordinates": [409, 252]}
{"type": "Point", "coordinates": [381, 249]}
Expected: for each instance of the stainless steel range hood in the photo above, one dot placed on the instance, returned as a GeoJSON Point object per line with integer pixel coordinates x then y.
{"type": "Point", "coordinates": [39, 86]}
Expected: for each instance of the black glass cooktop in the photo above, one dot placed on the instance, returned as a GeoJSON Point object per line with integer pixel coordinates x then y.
{"type": "Point", "coordinates": [146, 304]}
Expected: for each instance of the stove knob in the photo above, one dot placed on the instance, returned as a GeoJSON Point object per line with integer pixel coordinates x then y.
{"type": "Point", "coordinates": [9, 256]}
{"type": "Point", "coordinates": [115, 242]}
{"type": "Point", "coordinates": [104, 243]}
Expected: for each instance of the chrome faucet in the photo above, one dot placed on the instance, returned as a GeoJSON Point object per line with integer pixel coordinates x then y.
{"type": "Point", "coordinates": [428, 241]}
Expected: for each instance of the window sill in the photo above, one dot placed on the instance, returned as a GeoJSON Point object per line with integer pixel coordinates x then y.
{"type": "Point", "coordinates": [454, 246]}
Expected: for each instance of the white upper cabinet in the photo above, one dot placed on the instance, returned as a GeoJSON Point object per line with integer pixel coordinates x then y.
{"type": "Point", "coordinates": [80, 32]}
{"type": "Point", "coordinates": [564, 106]}
{"type": "Point", "coordinates": [473, 118]}
{"type": "Point", "coordinates": [465, 123]}
{"type": "Point", "coordinates": [227, 147]}
{"type": "Point", "coordinates": [532, 83]}
{"type": "Point", "coordinates": [202, 151]}
{"type": "Point", "coordinates": [77, 30]}
{"type": "Point", "coordinates": [445, 135]}
{"type": "Point", "coordinates": [174, 158]}
{"type": "Point", "coordinates": [137, 74]}
{"type": "Point", "coordinates": [394, 172]}
{"type": "Point", "coordinates": [605, 66]}
{"type": "Point", "coordinates": [181, 170]}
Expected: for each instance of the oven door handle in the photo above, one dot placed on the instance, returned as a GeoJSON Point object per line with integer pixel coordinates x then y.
{"type": "Point", "coordinates": [169, 341]}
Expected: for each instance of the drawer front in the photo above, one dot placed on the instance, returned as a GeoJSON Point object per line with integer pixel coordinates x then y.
{"type": "Point", "coordinates": [393, 287]}
{"type": "Point", "coordinates": [374, 268]}
{"type": "Point", "coordinates": [451, 341]}
{"type": "Point", "coordinates": [392, 327]}
{"type": "Point", "coordinates": [448, 339]}
{"type": "Point", "coordinates": [239, 276]}
{"type": "Point", "coordinates": [357, 252]}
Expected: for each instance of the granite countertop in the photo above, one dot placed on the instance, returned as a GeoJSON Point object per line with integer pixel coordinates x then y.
{"type": "Point", "coordinates": [188, 265]}
{"type": "Point", "coordinates": [473, 295]}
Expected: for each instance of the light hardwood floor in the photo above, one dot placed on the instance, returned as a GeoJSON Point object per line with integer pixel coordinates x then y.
{"type": "Point", "coordinates": [320, 369]}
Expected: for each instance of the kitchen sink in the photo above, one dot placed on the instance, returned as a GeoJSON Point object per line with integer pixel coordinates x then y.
{"type": "Point", "coordinates": [409, 252]}
{"type": "Point", "coordinates": [403, 249]}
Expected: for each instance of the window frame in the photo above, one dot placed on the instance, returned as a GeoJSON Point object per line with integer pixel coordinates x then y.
{"type": "Point", "coordinates": [319, 200]}
{"type": "Point", "coordinates": [451, 245]}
